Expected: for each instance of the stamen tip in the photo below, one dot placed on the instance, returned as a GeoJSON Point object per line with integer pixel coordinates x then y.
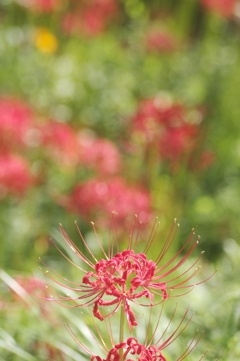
{"type": "Point", "coordinates": [92, 223]}
{"type": "Point", "coordinates": [60, 225]}
{"type": "Point", "coordinates": [178, 225]}
{"type": "Point", "coordinates": [75, 221]}
{"type": "Point", "coordinates": [202, 252]}
{"type": "Point", "coordinates": [175, 220]}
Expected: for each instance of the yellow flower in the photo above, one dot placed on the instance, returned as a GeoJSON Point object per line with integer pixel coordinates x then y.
{"type": "Point", "coordinates": [45, 41]}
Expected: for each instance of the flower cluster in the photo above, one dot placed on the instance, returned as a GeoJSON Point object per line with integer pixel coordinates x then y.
{"type": "Point", "coordinates": [171, 128]}
{"type": "Point", "coordinates": [99, 154]}
{"type": "Point", "coordinates": [126, 277]}
{"type": "Point", "coordinates": [102, 196]}
{"type": "Point", "coordinates": [223, 8]}
{"type": "Point", "coordinates": [16, 120]}
{"type": "Point", "coordinates": [41, 6]}
{"type": "Point", "coordinates": [90, 17]}
{"type": "Point", "coordinates": [15, 175]}
{"type": "Point", "coordinates": [160, 41]}
{"type": "Point", "coordinates": [132, 347]}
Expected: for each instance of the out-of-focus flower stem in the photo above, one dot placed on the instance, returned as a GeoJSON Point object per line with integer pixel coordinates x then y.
{"type": "Point", "coordinates": [121, 331]}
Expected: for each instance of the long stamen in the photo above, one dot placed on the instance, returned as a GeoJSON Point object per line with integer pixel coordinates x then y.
{"type": "Point", "coordinates": [99, 242]}
{"type": "Point", "coordinates": [155, 329]}
{"type": "Point", "coordinates": [168, 243]}
{"type": "Point", "coordinates": [72, 334]}
{"type": "Point", "coordinates": [152, 235]}
{"type": "Point", "coordinates": [137, 235]}
{"type": "Point", "coordinates": [84, 242]}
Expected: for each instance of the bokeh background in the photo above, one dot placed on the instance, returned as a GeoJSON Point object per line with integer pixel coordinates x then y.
{"type": "Point", "coordinates": [130, 106]}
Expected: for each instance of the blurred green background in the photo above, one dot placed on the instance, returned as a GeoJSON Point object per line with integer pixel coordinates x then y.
{"type": "Point", "coordinates": [132, 106]}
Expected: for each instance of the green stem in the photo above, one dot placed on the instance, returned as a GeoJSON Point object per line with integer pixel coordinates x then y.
{"type": "Point", "coordinates": [121, 332]}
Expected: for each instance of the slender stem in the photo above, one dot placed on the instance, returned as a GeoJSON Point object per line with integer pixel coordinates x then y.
{"type": "Point", "coordinates": [121, 332]}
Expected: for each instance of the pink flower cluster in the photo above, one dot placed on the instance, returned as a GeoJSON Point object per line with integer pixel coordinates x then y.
{"type": "Point", "coordinates": [16, 120]}
{"type": "Point", "coordinates": [99, 154]}
{"type": "Point", "coordinates": [126, 277]}
{"type": "Point", "coordinates": [15, 175]}
{"type": "Point", "coordinates": [223, 8]}
{"type": "Point", "coordinates": [98, 196]}
{"type": "Point", "coordinates": [41, 6]}
{"type": "Point", "coordinates": [166, 126]}
{"type": "Point", "coordinates": [90, 17]}
{"type": "Point", "coordinates": [132, 347]}
{"type": "Point", "coordinates": [160, 41]}
{"type": "Point", "coordinates": [60, 141]}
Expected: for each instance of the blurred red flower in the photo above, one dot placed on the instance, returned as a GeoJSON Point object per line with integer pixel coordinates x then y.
{"type": "Point", "coordinates": [154, 114]}
{"type": "Point", "coordinates": [224, 8]}
{"type": "Point", "coordinates": [15, 121]}
{"type": "Point", "coordinates": [90, 17]}
{"type": "Point", "coordinates": [177, 142]}
{"type": "Point", "coordinates": [30, 284]}
{"type": "Point", "coordinates": [61, 141]}
{"type": "Point", "coordinates": [99, 154]}
{"type": "Point", "coordinates": [42, 6]}
{"type": "Point", "coordinates": [160, 41]}
{"type": "Point", "coordinates": [15, 175]}
{"type": "Point", "coordinates": [104, 196]}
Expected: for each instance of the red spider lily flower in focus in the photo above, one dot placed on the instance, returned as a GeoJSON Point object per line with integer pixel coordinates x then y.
{"type": "Point", "coordinates": [223, 8]}
{"type": "Point", "coordinates": [102, 196]}
{"type": "Point", "coordinates": [91, 17]}
{"type": "Point", "coordinates": [127, 276]}
{"type": "Point", "coordinates": [149, 351]}
{"type": "Point", "coordinates": [160, 41]}
{"type": "Point", "coordinates": [15, 175]}
{"type": "Point", "coordinates": [61, 140]}
{"type": "Point", "coordinates": [15, 122]}
{"type": "Point", "coordinates": [99, 154]}
{"type": "Point", "coordinates": [41, 6]}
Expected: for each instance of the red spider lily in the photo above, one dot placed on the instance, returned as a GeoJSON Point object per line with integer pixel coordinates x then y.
{"type": "Point", "coordinates": [15, 176]}
{"type": "Point", "coordinates": [41, 6]}
{"type": "Point", "coordinates": [160, 41]}
{"type": "Point", "coordinates": [177, 142]}
{"type": "Point", "coordinates": [99, 154]}
{"type": "Point", "coordinates": [149, 351]}
{"type": "Point", "coordinates": [30, 284]}
{"type": "Point", "coordinates": [101, 197]}
{"type": "Point", "coordinates": [126, 276]}
{"type": "Point", "coordinates": [15, 121]}
{"type": "Point", "coordinates": [61, 140]}
{"type": "Point", "coordinates": [223, 8]}
{"type": "Point", "coordinates": [90, 17]}
{"type": "Point", "coordinates": [155, 114]}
